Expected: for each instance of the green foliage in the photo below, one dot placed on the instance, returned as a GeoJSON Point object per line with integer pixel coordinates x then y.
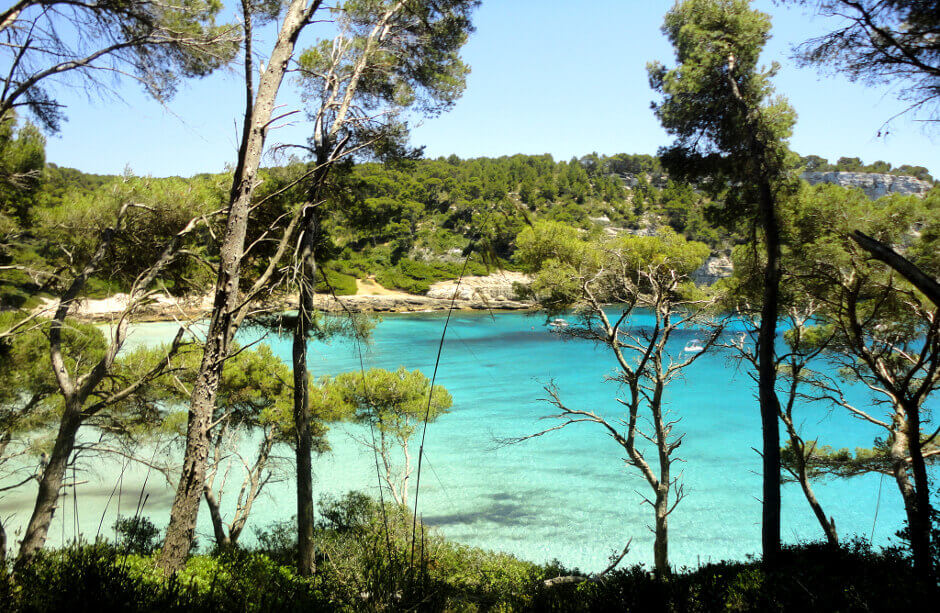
{"type": "Point", "coordinates": [718, 104]}
{"type": "Point", "coordinates": [416, 277]}
{"type": "Point", "coordinates": [810, 577]}
{"type": "Point", "coordinates": [155, 45]}
{"type": "Point", "coordinates": [814, 163]}
{"type": "Point", "coordinates": [101, 577]}
{"type": "Point", "coordinates": [137, 535]}
{"type": "Point", "coordinates": [564, 261]}
{"type": "Point", "coordinates": [22, 159]}
{"type": "Point", "coordinates": [29, 400]}
{"type": "Point", "coordinates": [881, 42]}
{"type": "Point", "coordinates": [359, 571]}
{"type": "Point", "coordinates": [334, 282]}
{"type": "Point", "coordinates": [158, 209]}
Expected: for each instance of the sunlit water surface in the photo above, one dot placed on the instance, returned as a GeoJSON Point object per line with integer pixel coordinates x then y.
{"type": "Point", "coordinates": [566, 495]}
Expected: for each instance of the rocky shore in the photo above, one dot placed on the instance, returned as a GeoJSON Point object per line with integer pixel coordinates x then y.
{"type": "Point", "coordinates": [414, 304]}
{"type": "Point", "coordinates": [492, 292]}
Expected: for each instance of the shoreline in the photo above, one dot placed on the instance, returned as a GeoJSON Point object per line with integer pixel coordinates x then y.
{"type": "Point", "coordinates": [491, 293]}
{"type": "Point", "coordinates": [110, 309]}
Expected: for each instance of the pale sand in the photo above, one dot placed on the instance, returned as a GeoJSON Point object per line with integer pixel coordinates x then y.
{"type": "Point", "coordinates": [369, 287]}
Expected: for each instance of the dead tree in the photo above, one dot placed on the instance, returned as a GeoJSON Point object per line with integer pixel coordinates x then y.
{"type": "Point", "coordinates": [257, 474]}
{"type": "Point", "coordinates": [646, 364]}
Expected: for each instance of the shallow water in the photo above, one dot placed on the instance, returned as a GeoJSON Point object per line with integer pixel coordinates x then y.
{"type": "Point", "coordinates": [566, 495]}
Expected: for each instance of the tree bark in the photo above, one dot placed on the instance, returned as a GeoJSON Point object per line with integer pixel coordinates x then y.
{"type": "Point", "coordinates": [919, 518]}
{"type": "Point", "coordinates": [218, 527]}
{"type": "Point", "coordinates": [661, 540]}
{"type": "Point", "coordinates": [222, 328]}
{"type": "Point", "coordinates": [828, 525]}
{"type": "Point", "coordinates": [917, 277]}
{"type": "Point", "coordinates": [50, 483]}
{"type": "Point", "coordinates": [3, 545]}
{"type": "Point", "coordinates": [306, 561]}
{"type": "Point", "coordinates": [767, 377]}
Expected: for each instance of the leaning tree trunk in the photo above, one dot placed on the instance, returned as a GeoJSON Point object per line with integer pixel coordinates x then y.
{"type": "Point", "coordinates": [767, 378]}
{"type": "Point", "coordinates": [222, 540]}
{"type": "Point", "coordinates": [181, 529]}
{"type": "Point", "coordinates": [828, 525]}
{"type": "Point", "coordinates": [51, 483]}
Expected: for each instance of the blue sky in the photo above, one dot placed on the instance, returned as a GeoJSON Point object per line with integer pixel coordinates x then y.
{"type": "Point", "coordinates": [549, 76]}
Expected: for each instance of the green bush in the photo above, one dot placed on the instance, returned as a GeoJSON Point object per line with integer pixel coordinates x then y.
{"type": "Point", "coordinates": [416, 277]}
{"type": "Point", "coordinates": [136, 535]}
{"type": "Point", "coordinates": [336, 282]}
{"type": "Point", "coordinates": [101, 578]}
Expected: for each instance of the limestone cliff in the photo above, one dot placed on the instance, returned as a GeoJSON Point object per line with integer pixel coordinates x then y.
{"type": "Point", "coordinates": [498, 287]}
{"type": "Point", "coordinates": [715, 267]}
{"type": "Point", "coordinates": [873, 184]}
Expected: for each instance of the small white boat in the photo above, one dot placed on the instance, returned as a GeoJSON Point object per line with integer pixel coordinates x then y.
{"type": "Point", "coordinates": [693, 346]}
{"type": "Point", "coordinates": [558, 323]}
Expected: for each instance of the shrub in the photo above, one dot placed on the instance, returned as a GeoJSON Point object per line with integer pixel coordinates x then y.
{"type": "Point", "coordinates": [137, 535]}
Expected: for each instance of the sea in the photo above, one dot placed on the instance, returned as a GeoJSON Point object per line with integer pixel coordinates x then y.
{"type": "Point", "coordinates": [567, 495]}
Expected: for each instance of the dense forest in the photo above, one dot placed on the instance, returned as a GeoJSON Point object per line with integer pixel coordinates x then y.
{"type": "Point", "coordinates": [407, 223]}
{"type": "Point", "coordinates": [831, 292]}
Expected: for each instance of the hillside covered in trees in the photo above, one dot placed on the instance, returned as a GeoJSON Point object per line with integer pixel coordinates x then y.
{"type": "Point", "coordinates": [408, 223]}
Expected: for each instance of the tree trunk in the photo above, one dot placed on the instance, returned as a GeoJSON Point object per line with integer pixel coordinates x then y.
{"type": "Point", "coordinates": [218, 527]}
{"type": "Point", "coordinates": [181, 529]}
{"type": "Point", "coordinates": [919, 519]}
{"type": "Point", "coordinates": [51, 483]}
{"type": "Point", "coordinates": [3, 545]}
{"type": "Point", "coordinates": [898, 453]}
{"type": "Point", "coordinates": [767, 376]}
{"type": "Point", "coordinates": [828, 524]}
{"type": "Point", "coordinates": [306, 562]}
{"type": "Point", "coordinates": [661, 541]}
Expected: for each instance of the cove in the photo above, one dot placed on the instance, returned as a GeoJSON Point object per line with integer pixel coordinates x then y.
{"type": "Point", "coordinates": [566, 495]}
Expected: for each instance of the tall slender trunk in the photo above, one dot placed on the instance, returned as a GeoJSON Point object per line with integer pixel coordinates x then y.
{"type": "Point", "coordinates": [899, 469]}
{"type": "Point", "coordinates": [51, 483]}
{"type": "Point", "coordinates": [182, 526]}
{"type": "Point", "coordinates": [767, 377]}
{"type": "Point", "coordinates": [919, 519]}
{"type": "Point", "coordinates": [306, 561]}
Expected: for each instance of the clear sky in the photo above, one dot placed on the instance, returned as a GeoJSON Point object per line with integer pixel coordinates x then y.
{"type": "Point", "coordinates": [549, 76]}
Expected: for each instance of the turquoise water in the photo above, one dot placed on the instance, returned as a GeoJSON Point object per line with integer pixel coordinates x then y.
{"type": "Point", "coordinates": [566, 495]}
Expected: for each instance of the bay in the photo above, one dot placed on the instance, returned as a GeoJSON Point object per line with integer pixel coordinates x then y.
{"type": "Point", "coordinates": [566, 495]}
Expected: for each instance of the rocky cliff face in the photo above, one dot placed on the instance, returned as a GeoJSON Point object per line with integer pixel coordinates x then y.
{"type": "Point", "coordinates": [873, 184]}
{"type": "Point", "coordinates": [498, 286]}
{"type": "Point", "coordinates": [715, 267]}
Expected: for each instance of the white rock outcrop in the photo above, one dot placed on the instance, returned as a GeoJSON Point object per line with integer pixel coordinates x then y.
{"type": "Point", "coordinates": [715, 267]}
{"type": "Point", "coordinates": [874, 185]}
{"type": "Point", "coordinates": [496, 287]}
